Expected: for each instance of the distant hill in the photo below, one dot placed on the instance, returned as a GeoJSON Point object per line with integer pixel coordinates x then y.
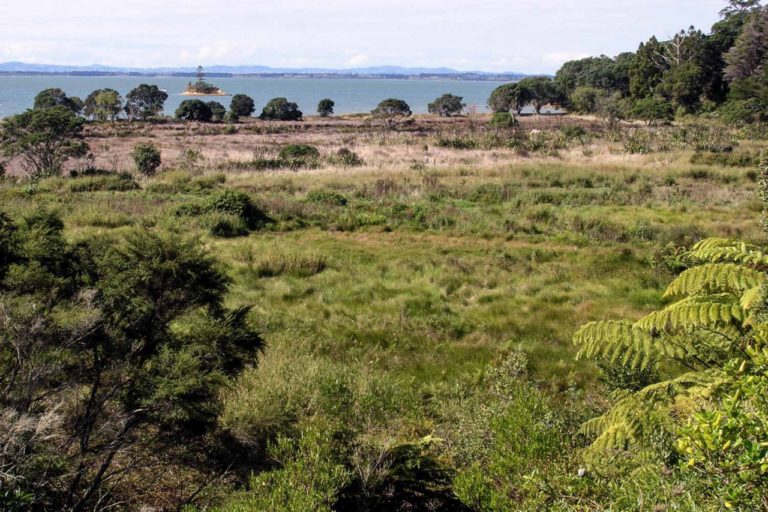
{"type": "Point", "coordinates": [218, 70]}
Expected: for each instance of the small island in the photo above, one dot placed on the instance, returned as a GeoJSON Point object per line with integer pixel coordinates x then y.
{"type": "Point", "coordinates": [201, 87]}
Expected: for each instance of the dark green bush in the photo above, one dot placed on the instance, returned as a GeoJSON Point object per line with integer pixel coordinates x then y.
{"type": "Point", "coordinates": [326, 197]}
{"type": "Point", "coordinates": [503, 120]}
{"type": "Point", "coordinates": [147, 158]}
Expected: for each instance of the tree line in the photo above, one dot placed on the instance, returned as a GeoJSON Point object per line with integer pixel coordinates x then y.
{"type": "Point", "coordinates": [719, 74]}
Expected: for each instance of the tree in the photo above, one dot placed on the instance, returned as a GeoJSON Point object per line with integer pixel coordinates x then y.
{"type": "Point", "coordinates": [194, 110]}
{"type": "Point", "coordinates": [652, 110]}
{"type": "Point", "coordinates": [585, 99]}
{"type": "Point", "coordinates": [325, 107]}
{"type": "Point", "coordinates": [55, 97]}
{"type": "Point", "coordinates": [147, 158]}
{"type": "Point", "coordinates": [509, 97]}
{"type": "Point", "coordinates": [103, 105]}
{"type": "Point", "coordinates": [218, 112]}
{"type": "Point", "coordinates": [241, 106]}
{"type": "Point", "coordinates": [146, 393]}
{"type": "Point", "coordinates": [281, 109]}
{"type": "Point", "coordinates": [613, 108]}
{"type": "Point", "coordinates": [711, 341]}
{"type": "Point", "coordinates": [644, 73]}
{"type": "Point", "coordinates": [447, 105]}
{"type": "Point", "coordinates": [145, 102]}
{"type": "Point", "coordinates": [45, 139]}
{"type": "Point", "coordinates": [602, 73]}
{"type": "Point", "coordinates": [392, 108]}
{"type": "Point", "coordinates": [542, 91]}
{"type": "Point", "coordinates": [747, 57]}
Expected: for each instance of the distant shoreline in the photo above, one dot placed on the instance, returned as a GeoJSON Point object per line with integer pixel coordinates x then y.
{"type": "Point", "coordinates": [329, 76]}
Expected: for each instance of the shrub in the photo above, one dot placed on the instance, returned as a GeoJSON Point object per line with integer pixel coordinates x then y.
{"type": "Point", "coordinates": [447, 105]}
{"type": "Point", "coordinates": [346, 158]}
{"type": "Point", "coordinates": [392, 108]}
{"type": "Point", "coordinates": [503, 120]}
{"type": "Point", "coordinates": [742, 111]}
{"type": "Point", "coordinates": [299, 151]}
{"type": "Point", "coordinates": [584, 99]}
{"type": "Point", "coordinates": [326, 197]}
{"type": "Point", "coordinates": [280, 109]}
{"type": "Point", "coordinates": [325, 107]}
{"type": "Point", "coordinates": [147, 158]}
{"type": "Point", "coordinates": [652, 110]}
{"type": "Point", "coordinates": [218, 112]}
{"type": "Point", "coordinates": [242, 106]}
{"type": "Point", "coordinates": [194, 110]}
{"type": "Point", "coordinates": [238, 204]}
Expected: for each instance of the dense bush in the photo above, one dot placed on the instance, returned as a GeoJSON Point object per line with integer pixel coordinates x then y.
{"type": "Point", "coordinates": [194, 110]}
{"type": "Point", "coordinates": [503, 120]}
{"type": "Point", "coordinates": [280, 109]}
{"type": "Point", "coordinates": [147, 158]}
{"type": "Point", "coordinates": [242, 106]}
{"type": "Point", "coordinates": [325, 107]}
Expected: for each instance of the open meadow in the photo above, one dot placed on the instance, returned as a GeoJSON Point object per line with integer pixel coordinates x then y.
{"type": "Point", "coordinates": [402, 276]}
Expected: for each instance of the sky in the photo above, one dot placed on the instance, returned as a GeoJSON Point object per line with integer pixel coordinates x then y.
{"type": "Point", "coordinates": [529, 36]}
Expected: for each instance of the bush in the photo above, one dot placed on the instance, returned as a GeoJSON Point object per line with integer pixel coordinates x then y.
{"type": "Point", "coordinates": [280, 109]}
{"type": "Point", "coordinates": [146, 156]}
{"type": "Point", "coordinates": [743, 111]}
{"type": "Point", "coordinates": [346, 158]}
{"type": "Point", "coordinates": [503, 120]}
{"type": "Point", "coordinates": [299, 151]}
{"type": "Point", "coordinates": [652, 110]}
{"type": "Point", "coordinates": [326, 197]}
{"type": "Point", "coordinates": [585, 99]}
{"type": "Point", "coordinates": [242, 106]}
{"type": "Point", "coordinates": [218, 112]}
{"type": "Point", "coordinates": [392, 108]}
{"type": "Point", "coordinates": [447, 105]}
{"type": "Point", "coordinates": [325, 107]}
{"type": "Point", "coordinates": [194, 110]}
{"type": "Point", "coordinates": [239, 205]}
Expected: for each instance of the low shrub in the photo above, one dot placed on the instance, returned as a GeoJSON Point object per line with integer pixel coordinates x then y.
{"type": "Point", "coordinates": [328, 197]}
{"type": "Point", "coordinates": [147, 158]}
{"type": "Point", "coordinates": [503, 120]}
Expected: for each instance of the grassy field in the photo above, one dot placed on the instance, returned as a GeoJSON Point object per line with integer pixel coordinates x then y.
{"type": "Point", "coordinates": [449, 247]}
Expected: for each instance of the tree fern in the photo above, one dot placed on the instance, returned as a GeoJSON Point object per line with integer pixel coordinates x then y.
{"type": "Point", "coordinates": [717, 318]}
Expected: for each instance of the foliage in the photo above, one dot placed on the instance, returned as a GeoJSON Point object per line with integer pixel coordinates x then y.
{"type": "Point", "coordinates": [585, 99]}
{"type": "Point", "coordinates": [218, 112]}
{"type": "Point", "coordinates": [147, 158]}
{"type": "Point", "coordinates": [503, 120]}
{"type": "Point", "coordinates": [509, 97]}
{"type": "Point", "coordinates": [325, 107]}
{"type": "Point", "coordinates": [242, 106]}
{"type": "Point", "coordinates": [139, 329]}
{"type": "Point", "coordinates": [541, 92]}
{"type": "Point", "coordinates": [103, 105]}
{"type": "Point", "coordinates": [346, 158]}
{"type": "Point", "coordinates": [45, 139]}
{"type": "Point", "coordinates": [280, 109]}
{"type": "Point", "coordinates": [55, 97]}
{"type": "Point", "coordinates": [447, 105]}
{"type": "Point", "coordinates": [194, 110]}
{"type": "Point", "coordinates": [145, 102]}
{"type": "Point", "coordinates": [391, 108]}
{"type": "Point", "coordinates": [652, 110]}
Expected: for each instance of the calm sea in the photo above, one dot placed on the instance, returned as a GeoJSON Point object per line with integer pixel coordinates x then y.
{"type": "Point", "coordinates": [17, 93]}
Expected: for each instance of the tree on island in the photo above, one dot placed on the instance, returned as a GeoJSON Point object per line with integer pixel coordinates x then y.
{"type": "Point", "coordinates": [325, 107]}
{"type": "Point", "coordinates": [145, 102]}
{"type": "Point", "coordinates": [447, 105]}
{"type": "Point", "coordinates": [281, 109]}
{"type": "Point", "coordinates": [241, 106]}
{"type": "Point", "coordinates": [44, 138]}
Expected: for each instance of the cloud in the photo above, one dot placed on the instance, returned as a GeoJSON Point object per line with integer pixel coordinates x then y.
{"type": "Point", "coordinates": [358, 60]}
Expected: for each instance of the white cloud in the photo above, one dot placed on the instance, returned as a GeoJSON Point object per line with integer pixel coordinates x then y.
{"type": "Point", "coordinates": [358, 60]}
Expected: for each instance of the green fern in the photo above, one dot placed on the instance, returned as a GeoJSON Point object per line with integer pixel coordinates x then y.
{"type": "Point", "coordinates": [718, 317]}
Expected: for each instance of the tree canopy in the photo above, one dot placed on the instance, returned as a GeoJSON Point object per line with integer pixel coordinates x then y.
{"type": "Point", "coordinates": [447, 105]}
{"type": "Point", "coordinates": [145, 102]}
{"type": "Point", "coordinates": [280, 109]}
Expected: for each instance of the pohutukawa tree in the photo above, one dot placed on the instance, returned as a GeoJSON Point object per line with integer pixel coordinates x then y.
{"type": "Point", "coordinates": [145, 102]}
{"type": "Point", "coordinates": [447, 105]}
{"type": "Point", "coordinates": [44, 138]}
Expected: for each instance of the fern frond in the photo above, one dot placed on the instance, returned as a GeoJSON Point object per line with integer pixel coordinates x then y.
{"type": "Point", "coordinates": [718, 250]}
{"type": "Point", "coordinates": [715, 278]}
{"type": "Point", "coordinates": [708, 311]}
{"type": "Point", "coordinates": [618, 341]}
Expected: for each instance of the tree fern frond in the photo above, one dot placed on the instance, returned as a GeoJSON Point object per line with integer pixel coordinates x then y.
{"type": "Point", "coordinates": [716, 277]}
{"type": "Point", "coordinates": [618, 340]}
{"type": "Point", "coordinates": [710, 311]}
{"type": "Point", "coordinates": [726, 251]}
